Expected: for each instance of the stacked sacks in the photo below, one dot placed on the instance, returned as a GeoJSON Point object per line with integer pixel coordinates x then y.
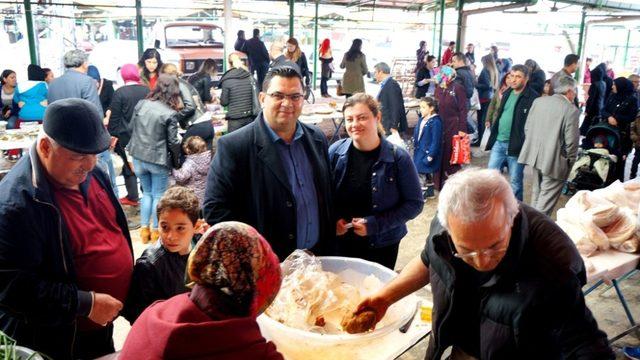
{"type": "Point", "coordinates": [604, 218]}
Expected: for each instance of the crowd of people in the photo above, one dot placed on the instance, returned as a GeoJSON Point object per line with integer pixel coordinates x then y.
{"type": "Point", "coordinates": [506, 280]}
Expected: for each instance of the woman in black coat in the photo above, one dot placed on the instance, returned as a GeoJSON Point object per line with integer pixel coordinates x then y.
{"type": "Point", "coordinates": [621, 109]}
{"type": "Point", "coordinates": [202, 79]}
{"type": "Point", "coordinates": [425, 84]}
{"type": "Point", "coordinates": [537, 77]}
{"type": "Point", "coordinates": [595, 101]}
{"type": "Point", "coordinates": [295, 54]}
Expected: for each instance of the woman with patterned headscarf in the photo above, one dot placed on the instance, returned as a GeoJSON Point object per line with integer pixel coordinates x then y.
{"type": "Point", "coordinates": [452, 102]}
{"type": "Point", "coordinates": [235, 276]}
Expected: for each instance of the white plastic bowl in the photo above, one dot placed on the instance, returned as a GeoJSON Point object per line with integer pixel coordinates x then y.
{"type": "Point", "coordinates": [299, 344]}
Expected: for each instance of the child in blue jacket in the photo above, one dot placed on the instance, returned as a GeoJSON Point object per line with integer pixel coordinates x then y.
{"type": "Point", "coordinates": [427, 141]}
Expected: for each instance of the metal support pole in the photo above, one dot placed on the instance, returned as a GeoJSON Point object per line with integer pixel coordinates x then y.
{"type": "Point", "coordinates": [580, 42]}
{"type": "Point", "coordinates": [435, 24]}
{"type": "Point", "coordinates": [291, 14]}
{"type": "Point", "coordinates": [228, 40]}
{"type": "Point", "coordinates": [28, 16]}
{"type": "Point", "coordinates": [626, 48]}
{"type": "Point", "coordinates": [442, 5]}
{"type": "Point", "coordinates": [315, 46]}
{"type": "Point", "coordinates": [139, 35]}
{"type": "Point", "coordinates": [459, 30]}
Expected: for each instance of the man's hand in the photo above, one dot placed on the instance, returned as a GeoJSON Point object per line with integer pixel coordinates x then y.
{"type": "Point", "coordinates": [487, 124]}
{"type": "Point", "coordinates": [105, 309]}
{"type": "Point", "coordinates": [359, 226]}
{"type": "Point", "coordinates": [376, 303]}
{"type": "Point", "coordinates": [612, 121]}
{"type": "Point", "coordinates": [341, 227]}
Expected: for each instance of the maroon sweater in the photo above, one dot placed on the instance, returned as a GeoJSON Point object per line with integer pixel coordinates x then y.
{"type": "Point", "coordinates": [178, 329]}
{"type": "Point", "coordinates": [101, 255]}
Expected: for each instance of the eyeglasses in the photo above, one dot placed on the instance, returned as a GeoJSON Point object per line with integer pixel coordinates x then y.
{"type": "Point", "coordinates": [280, 97]}
{"type": "Point", "coordinates": [475, 254]}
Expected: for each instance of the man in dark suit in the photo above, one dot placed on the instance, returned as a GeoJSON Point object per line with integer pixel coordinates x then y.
{"type": "Point", "coordinates": [273, 174]}
{"type": "Point", "coordinates": [258, 57]}
{"type": "Point", "coordinates": [390, 98]}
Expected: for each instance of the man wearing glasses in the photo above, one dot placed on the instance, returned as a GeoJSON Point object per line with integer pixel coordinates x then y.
{"type": "Point", "coordinates": [273, 174]}
{"type": "Point", "coordinates": [506, 281]}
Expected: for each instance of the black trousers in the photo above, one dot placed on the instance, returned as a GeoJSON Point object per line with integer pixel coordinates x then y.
{"type": "Point", "coordinates": [324, 88]}
{"type": "Point", "coordinates": [635, 162]}
{"type": "Point", "coordinates": [235, 124]}
{"type": "Point", "coordinates": [130, 179]}
{"type": "Point", "coordinates": [355, 246]}
{"type": "Point", "coordinates": [95, 343]}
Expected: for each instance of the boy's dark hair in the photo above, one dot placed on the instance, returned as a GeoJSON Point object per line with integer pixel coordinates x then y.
{"type": "Point", "coordinates": [432, 102]}
{"type": "Point", "coordinates": [183, 198]}
{"type": "Point", "coordinates": [571, 59]}
{"type": "Point", "coordinates": [281, 71]}
{"type": "Point", "coordinates": [194, 145]}
{"type": "Point", "coordinates": [452, 43]}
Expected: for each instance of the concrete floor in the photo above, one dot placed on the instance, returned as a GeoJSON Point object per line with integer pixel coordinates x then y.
{"type": "Point", "coordinates": [603, 303]}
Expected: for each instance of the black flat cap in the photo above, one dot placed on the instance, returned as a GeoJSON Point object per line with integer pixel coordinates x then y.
{"type": "Point", "coordinates": [76, 125]}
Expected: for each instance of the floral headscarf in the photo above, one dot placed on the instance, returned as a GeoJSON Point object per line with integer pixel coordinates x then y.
{"type": "Point", "coordinates": [445, 76]}
{"type": "Point", "coordinates": [235, 271]}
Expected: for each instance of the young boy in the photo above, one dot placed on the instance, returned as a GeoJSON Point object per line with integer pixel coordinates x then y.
{"type": "Point", "coordinates": [159, 272]}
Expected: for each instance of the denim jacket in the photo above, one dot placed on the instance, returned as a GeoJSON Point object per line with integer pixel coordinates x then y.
{"type": "Point", "coordinates": [395, 188]}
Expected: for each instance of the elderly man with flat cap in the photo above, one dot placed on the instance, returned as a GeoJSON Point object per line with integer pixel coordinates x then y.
{"type": "Point", "coordinates": [65, 251]}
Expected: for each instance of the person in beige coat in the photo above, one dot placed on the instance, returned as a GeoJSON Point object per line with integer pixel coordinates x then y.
{"type": "Point", "coordinates": [551, 143]}
{"type": "Point", "coordinates": [355, 64]}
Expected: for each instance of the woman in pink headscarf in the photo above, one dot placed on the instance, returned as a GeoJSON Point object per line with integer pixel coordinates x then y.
{"type": "Point", "coordinates": [122, 104]}
{"type": "Point", "coordinates": [236, 276]}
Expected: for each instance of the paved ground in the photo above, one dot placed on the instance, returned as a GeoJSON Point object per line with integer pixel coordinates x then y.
{"type": "Point", "coordinates": [603, 304]}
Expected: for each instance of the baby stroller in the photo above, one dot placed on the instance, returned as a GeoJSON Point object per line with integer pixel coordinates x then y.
{"type": "Point", "coordinates": [598, 156]}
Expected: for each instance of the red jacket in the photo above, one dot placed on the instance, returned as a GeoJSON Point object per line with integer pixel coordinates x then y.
{"type": "Point", "coordinates": [178, 329]}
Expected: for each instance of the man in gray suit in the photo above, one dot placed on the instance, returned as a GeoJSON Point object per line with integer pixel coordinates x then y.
{"type": "Point", "coordinates": [75, 83]}
{"type": "Point", "coordinates": [551, 143]}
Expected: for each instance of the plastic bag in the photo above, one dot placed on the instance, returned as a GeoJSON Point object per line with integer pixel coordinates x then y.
{"type": "Point", "coordinates": [460, 150]}
{"type": "Point", "coordinates": [396, 140]}
{"type": "Point", "coordinates": [485, 138]}
{"type": "Point", "coordinates": [117, 162]}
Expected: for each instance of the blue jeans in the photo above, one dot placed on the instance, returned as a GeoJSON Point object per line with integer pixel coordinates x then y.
{"type": "Point", "coordinates": [153, 179]}
{"type": "Point", "coordinates": [105, 163]}
{"type": "Point", "coordinates": [516, 171]}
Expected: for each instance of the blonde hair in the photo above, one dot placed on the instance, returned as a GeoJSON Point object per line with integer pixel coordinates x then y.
{"type": "Point", "coordinates": [170, 69]}
{"type": "Point", "coordinates": [235, 61]}
{"type": "Point", "coordinates": [293, 56]}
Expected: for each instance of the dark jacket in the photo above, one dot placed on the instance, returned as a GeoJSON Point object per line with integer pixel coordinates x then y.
{"type": "Point", "coordinates": [520, 113]}
{"type": "Point", "coordinates": [154, 134]}
{"type": "Point", "coordinates": [623, 106]}
{"type": "Point", "coordinates": [237, 94]}
{"type": "Point", "coordinates": [256, 52]}
{"type": "Point", "coordinates": [106, 94]}
{"type": "Point", "coordinates": [39, 298]}
{"type": "Point", "coordinates": [484, 86]}
{"type": "Point", "coordinates": [247, 182]}
{"type": "Point", "coordinates": [421, 91]}
{"type": "Point", "coordinates": [532, 307]}
{"type": "Point", "coordinates": [193, 107]}
{"type": "Point", "coordinates": [124, 101]}
{"type": "Point", "coordinates": [239, 45]}
{"type": "Point", "coordinates": [392, 107]}
{"type": "Point", "coordinates": [304, 68]}
{"type": "Point", "coordinates": [395, 191]}
{"type": "Point", "coordinates": [428, 144]}
{"type": "Point", "coordinates": [157, 275]}
{"type": "Point", "coordinates": [465, 77]}
{"type": "Point", "coordinates": [202, 83]}
{"type": "Point", "coordinates": [597, 92]}
{"type": "Point", "coordinates": [536, 81]}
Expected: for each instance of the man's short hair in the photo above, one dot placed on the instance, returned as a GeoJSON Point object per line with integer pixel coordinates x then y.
{"type": "Point", "coordinates": [468, 194]}
{"type": "Point", "coordinates": [383, 67]}
{"type": "Point", "coordinates": [284, 71]}
{"type": "Point", "coordinates": [563, 84]}
{"type": "Point", "coordinates": [521, 68]}
{"type": "Point", "coordinates": [460, 56]}
{"type": "Point", "coordinates": [571, 59]}
{"type": "Point", "coordinates": [74, 58]}
{"type": "Point", "coordinates": [589, 59]}
{"type": "Point", "coordinates": [452, 43]}
{"type": "Point", "coordinates": [256, 32]}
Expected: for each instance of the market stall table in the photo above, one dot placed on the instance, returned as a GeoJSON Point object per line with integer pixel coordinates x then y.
{"type": "Point", "coordinates": [610, 267]}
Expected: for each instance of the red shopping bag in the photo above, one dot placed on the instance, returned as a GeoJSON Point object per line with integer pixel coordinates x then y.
{"type": "Point", "coordinates": [460, 150]}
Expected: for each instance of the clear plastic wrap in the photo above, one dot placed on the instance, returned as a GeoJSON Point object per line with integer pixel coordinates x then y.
{"type": "Point", "coordinates": [315, 300]}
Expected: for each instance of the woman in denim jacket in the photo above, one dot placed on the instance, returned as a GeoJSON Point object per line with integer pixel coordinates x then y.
{"type": "Point", "coordinates": [376, 186]}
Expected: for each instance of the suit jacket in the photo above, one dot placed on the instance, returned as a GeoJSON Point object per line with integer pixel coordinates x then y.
{"type": "Point", "coordinates": [74, 84]}
{"type": "Point", "coordinates": [392, 107]}
{"type": "Point", "coordinates": [551, 136]}
{"type": "Point", "coordinates": [247, 183]}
